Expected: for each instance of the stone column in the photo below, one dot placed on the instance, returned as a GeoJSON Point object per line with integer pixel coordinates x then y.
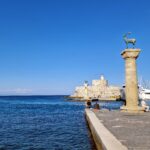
{"type": "Point", "coordinates": [131, 83]}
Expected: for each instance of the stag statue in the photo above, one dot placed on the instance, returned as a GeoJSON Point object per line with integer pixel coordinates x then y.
{"type": "Point", "coordinates": [127, 41]}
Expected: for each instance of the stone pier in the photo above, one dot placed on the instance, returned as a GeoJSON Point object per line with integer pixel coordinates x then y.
{"type": "Point", "coordinates": [131, 82]}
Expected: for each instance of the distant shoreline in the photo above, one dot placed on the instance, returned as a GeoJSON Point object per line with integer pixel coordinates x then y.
{"type": "Point", "coordinates": [30, 95]}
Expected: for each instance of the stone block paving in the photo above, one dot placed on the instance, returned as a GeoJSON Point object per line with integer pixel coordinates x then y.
{"type": "Point", "coordinates": [132, 130]}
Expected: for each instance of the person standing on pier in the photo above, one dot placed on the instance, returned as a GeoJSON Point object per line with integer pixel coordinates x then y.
{"type": "Point", "coordinates": [143, 104]}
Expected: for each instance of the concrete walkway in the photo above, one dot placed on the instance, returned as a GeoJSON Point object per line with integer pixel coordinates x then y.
{"type": "Point", "coordinates": [103, 138]}
{"type": "Point", "coordinates": [132, 130]}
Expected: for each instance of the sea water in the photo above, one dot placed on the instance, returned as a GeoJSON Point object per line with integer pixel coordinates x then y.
{"type": "Point", "coordinates": [45, 123]}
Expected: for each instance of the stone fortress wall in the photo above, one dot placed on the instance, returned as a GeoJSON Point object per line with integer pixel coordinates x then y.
{"type": "Point", "coordinates": [99, 89]}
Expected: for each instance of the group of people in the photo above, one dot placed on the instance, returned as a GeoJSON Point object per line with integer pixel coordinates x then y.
{"type": "Point", "coordinates": [97, 106]}
{"type": "Point", "coordinates": [88, 104]}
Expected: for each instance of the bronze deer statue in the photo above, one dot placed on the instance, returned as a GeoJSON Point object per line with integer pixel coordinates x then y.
{"type": "Point", "coordinates": [127, 41]}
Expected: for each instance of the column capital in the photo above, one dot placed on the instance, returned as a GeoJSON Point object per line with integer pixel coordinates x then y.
{"type": "Point", "coordinates": [130, 53]}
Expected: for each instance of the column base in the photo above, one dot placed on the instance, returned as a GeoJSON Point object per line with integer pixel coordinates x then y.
{"type": "Point", "coordinates": [137, 109]}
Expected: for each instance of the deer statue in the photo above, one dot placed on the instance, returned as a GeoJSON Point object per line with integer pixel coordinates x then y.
{"type": "Point", "coordinates": [127, 41]}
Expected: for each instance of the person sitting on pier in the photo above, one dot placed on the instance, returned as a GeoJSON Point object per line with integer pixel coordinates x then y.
{"type": "Point", "coordinates": [88, 104]}
{"type": "Point", "coordinates": [143, 104]}
{"type": "Point", "coordinates": [96, 106]}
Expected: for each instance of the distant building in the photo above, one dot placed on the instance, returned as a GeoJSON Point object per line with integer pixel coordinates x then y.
{"type": "Point", "coordinates": [99, 89]}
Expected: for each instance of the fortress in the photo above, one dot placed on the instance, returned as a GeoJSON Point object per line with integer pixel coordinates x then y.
{"type": "Point", "coordinates": [99, 89]}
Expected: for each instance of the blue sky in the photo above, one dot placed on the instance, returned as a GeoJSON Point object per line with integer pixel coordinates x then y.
{"type": "Point", "coordinates": [49, 47]}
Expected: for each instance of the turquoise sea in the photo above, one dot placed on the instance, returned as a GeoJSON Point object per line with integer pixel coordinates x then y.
{"type": "Point", "coordinates": [45, 123]}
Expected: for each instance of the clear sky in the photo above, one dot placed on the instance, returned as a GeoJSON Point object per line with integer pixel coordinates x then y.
{"type": "Point", "coordinates": [51, 46]}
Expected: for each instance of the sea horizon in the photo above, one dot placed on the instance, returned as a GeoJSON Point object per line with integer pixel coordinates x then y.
{"type": "Point", "coordinates": [35, 95]}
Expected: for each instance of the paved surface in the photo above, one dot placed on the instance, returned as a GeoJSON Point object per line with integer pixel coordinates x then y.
{"type": "Point", "coordinates": [132, 130]}
{"type": "Point", "coordinates": [103, 138]}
